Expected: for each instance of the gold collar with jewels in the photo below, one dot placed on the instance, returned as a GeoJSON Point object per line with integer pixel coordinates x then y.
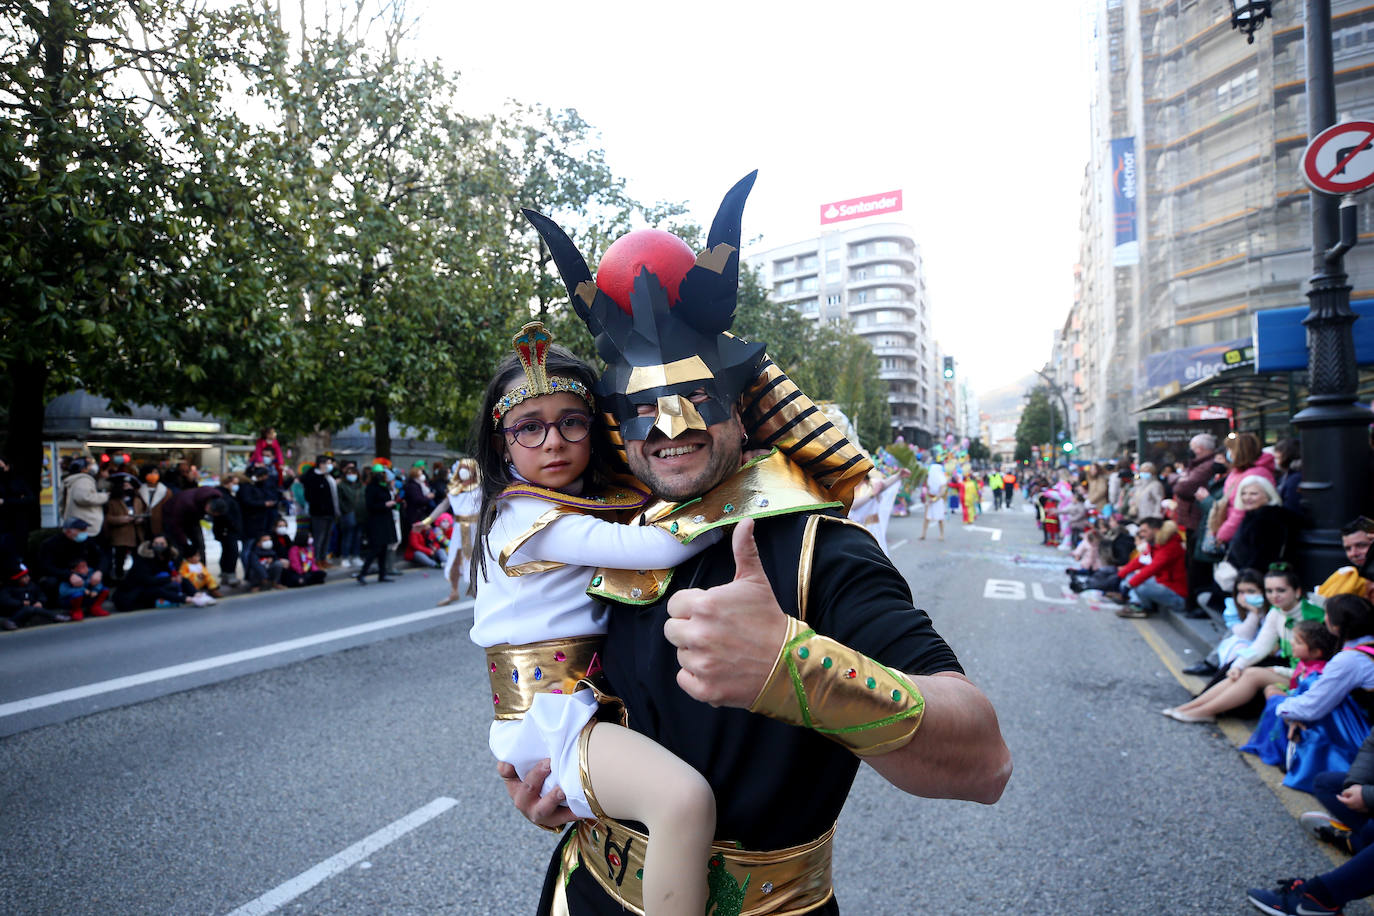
{"type": "Point", "coordinates": [767, 486]}
{"type": "Point", "coordinates": [620, 495]}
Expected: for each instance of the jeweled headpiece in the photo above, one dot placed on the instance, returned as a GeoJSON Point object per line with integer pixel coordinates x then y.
{"type": "Point", "coordinates": [532, 348]}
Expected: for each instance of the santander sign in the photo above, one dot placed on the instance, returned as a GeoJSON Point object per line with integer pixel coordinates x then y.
{"type": "Point", "coordinates": [859, 207]}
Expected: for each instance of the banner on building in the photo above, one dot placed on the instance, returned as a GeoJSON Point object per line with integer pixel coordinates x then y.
{"type": "Point", "coordinates": [1188, 364]}
{"type": "Point", "coordinates": [859, 207]}
{"type": "Point", "coordinates": [1126, 250]}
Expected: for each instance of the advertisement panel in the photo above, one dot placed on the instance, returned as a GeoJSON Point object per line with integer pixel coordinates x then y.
{"type": "Point", "coordinates": [1126, 250]}
{"type": "Point", "coordinates": [1188, 364]}
{"type": "Point", "coordinates": [859, 207]}
{"type": "Point", "coordinates": [1163, 441]}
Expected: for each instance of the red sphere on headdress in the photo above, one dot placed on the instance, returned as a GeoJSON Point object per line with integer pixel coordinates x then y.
{"type": "Point", "coordinates": [667, 257]}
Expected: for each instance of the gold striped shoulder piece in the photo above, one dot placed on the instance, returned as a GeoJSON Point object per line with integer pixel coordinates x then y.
{"type": "Point", "coordinates": [616, 498]}
{"type": "Point", "coordinates": [777, 414]}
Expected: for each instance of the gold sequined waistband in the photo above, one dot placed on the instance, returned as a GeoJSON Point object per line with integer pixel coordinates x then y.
{"type": "Point", "coordinates": [519, 673]}
{"type": "Point", "coordinates": [781, 882]}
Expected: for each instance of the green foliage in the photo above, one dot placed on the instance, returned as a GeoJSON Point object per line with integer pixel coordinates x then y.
{"type": "Point", "coordinates": [1035, 427]}
{"type": "Point", "coordinates": [977, 451]}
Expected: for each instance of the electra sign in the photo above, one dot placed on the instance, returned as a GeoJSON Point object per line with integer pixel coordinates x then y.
{"type": "Point", "coordinates": [859, 207]}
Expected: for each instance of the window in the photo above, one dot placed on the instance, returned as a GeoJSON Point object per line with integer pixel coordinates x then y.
{"type": "Point", "coordinates": [809, 306]}
{"type": "Point", "coordinates": [783, 266]}
{"type": "Point", "coordinates": [887, 270]}
{"type": "Point", "coordinates": [886, 293]}
{"type": "Point", "coordinates": [786, 287]}
{"type": "Point", "coordinates": [806, 262]}
{"type": "Point", "coordinates": [886, 248]}
{"type": "Point", "coordinates": [859, 273]}
{"type": "Point", "coordinates": [833, 300]}
{"type": "Point", "coordinates": [861, 297]}
{"type": "Point", "coordinates": [809, 284]}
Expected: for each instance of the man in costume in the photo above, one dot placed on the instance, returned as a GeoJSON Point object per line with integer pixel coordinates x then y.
{"type": "Point", "coordinates": [776, 659]}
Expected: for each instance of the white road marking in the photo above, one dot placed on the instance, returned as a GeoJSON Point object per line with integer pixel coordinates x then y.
{"type": "Point", "coordinates": [218, 661]}
{"type": "Point", "coordinates": [996, 532]}
{"type": "Point", "coordinates": [896, 545]}
{"type": "Point", "coordinates": [290, 890]}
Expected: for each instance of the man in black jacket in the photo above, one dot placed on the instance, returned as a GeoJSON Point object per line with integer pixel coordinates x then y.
{"type": "Point", "coordinates": [322, 497]}
{"type": "Point", "coordinates": [258, 497]}
{"type": "Point", "coordinates": [228, 530]}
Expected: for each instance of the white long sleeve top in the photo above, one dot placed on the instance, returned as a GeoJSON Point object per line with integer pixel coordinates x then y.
{"type": "Point", "coordinates": [1272, 633]}
{"type": "Point", "coordinates": [553, 604]}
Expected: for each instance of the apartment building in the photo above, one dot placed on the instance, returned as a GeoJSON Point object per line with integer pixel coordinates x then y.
{"type": "Point", "coordinates": [871, 276]}
{"type": "Point", "coordinates": [1195, 215]}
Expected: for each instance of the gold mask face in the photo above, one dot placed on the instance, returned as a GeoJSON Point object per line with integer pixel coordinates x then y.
{"type": "Point", "coordinates": [676, 415]}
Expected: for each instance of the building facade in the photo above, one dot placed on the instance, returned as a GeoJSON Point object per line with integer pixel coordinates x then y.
{"type": "Point", "coordinates": [871, 276]}
{"type": "Point", "coordinates": [1194, 213]}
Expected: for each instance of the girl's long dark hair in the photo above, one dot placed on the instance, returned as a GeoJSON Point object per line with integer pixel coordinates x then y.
{"type": "Point", "coordinates": [1351, 615]}
{"type": "Point", "coordinates": [484, 443]}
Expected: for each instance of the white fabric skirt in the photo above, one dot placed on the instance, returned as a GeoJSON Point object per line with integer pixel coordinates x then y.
{"type": "Point", "coordinates": [550, 729]}
{"type": "Point", "coordinates": [935, 510]}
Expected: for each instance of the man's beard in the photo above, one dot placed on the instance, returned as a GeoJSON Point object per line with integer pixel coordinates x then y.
{"type": "Point", "coordinates": [724, 461]}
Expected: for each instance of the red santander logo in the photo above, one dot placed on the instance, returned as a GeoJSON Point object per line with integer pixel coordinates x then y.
{"type": "Point", "coordinates": [859, 207]}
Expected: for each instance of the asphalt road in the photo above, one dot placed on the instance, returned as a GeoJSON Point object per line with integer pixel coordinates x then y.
{"type": "Point", "coordinates": [304, 753]}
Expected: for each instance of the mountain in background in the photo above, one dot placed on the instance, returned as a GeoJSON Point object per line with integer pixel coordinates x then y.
{"type": "Point", "coordinates": [1008, 398]}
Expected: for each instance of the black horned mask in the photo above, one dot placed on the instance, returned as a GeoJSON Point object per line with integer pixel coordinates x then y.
{"type": "Point", "coordinates": [661, 322]}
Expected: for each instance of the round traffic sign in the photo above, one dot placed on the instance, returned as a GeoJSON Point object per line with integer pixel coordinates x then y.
{"type": "Point", "coordinates": [1340, 159]}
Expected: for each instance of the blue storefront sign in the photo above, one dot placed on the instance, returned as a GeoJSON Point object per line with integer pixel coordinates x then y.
{"type": "Point", "coordinates": [1188, 364]}
{"type": "Point", "coordinates": [1126, 250]}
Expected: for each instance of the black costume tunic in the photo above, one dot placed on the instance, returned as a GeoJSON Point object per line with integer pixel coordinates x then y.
{"type": "Point", "coordinates": [776, 785]}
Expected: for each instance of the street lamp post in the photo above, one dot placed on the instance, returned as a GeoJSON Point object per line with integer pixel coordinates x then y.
{"type": "Point", "coordinates": [1334, 429]}
{"type": "Point", "coordinates": [1068, 421]}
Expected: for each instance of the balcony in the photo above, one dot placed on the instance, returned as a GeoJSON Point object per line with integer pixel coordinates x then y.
{"type": "Point", "coordinates": [903, 352]}
{"type": "Point", "coordinates": [902, 305]}
{"type": "Point", "coordinates": [903, 258]}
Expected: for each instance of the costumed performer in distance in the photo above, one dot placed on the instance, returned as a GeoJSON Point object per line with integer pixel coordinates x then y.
{"type": "Point", "coordinates": [772, 663]}
{"type": "Point", "coordinates": [463, 501]}
{"type": "Point", "coordinates": [933, 495]}
{"type": "Point", "coordinates": [546, 523]}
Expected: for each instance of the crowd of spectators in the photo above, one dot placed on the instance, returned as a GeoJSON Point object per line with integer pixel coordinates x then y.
{"type": "Point", "coordinates": [1215, 536]}
{"type": "Point", "coordinates": [134, 536]}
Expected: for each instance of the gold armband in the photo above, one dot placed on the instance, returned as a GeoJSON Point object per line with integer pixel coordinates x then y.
{"type": "Point", "coordinates": [830, 688]}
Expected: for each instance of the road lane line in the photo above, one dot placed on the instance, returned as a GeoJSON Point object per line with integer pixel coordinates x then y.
{"type": "Point", "coordinates": [218, 661]}
{"type": "Point", "coordinates": [290, 890]}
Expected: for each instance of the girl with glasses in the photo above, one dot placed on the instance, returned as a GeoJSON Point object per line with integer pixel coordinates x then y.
{"type": "Point", "coordinates": [547, 523]}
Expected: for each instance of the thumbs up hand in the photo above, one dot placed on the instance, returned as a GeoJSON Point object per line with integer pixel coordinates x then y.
{"type": "Point", "coordinates": [728, 637]}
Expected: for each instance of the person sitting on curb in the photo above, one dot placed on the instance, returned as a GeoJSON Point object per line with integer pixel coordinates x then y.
{"type": "Point", "coordinates": [1269, 660]}
{"type": "Point", "coordinates": [153, 579]}
{"type": "Point", "coordinates": [1161, 582]}
{"type": "Point", "coordinates": [21, 601]}
{"type": "Point", "coordinates": [1348, 796]}
{"type": "Point", "coordinates": [83, 592]}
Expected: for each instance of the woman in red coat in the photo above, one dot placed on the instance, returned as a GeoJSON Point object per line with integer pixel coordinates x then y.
{"type": "Point", "coordinates": [1157, 580]}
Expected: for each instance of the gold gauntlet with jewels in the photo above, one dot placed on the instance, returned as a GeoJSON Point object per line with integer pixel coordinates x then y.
{"type": "Point", "coordinates": [826, 686]}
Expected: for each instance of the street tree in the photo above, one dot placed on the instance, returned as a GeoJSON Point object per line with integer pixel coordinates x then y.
{"type": "Point", "coordinates": [117, 237]}
{"type": "Point", "coordinates": [1035, 426]}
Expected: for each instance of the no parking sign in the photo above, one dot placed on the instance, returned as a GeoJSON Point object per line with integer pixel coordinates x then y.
{"type": "Point", "coordinates": [1340, 159]}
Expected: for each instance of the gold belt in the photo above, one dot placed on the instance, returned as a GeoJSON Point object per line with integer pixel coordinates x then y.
{"type": "Point", "coordinates": [466, 524]}
{"type": "Point", "coordinates": [781, 882]}
{"type": "Point", "coordinates": [519, 673]}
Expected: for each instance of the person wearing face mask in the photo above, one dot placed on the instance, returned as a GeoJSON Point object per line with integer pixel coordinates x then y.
{"type": "Point", "coordinates": [321, 493]}
{"type": "Point", "coordinates": [258, 501]}
{"type": "Point", "coordinates": [267, 452]}
{"type": "Point", "coordinates": [351, 510]}
{"type": "Point", "coordinates": [153, 493]}
{"type": "Point", "coordinates": [154, 579]}
{"type": "Point", "coordinates": [228, 529]}
{"type": "Point", "coordinates": [122, 514]}
{"type": "Point", "coordinates": [81, 496]}
{"type": "Point", "coordinates": [1147, 494]}
{"type": "Point", "coordinates": [59, 553]}
{"type": "Point", "coordinates": [462, 501]}
{"type": "Point", "coordinates": [262, 566]}
{"type": "Point", "coordinates": [1245, 610]}
{"type": "Point", "coordinates": [380, 526]}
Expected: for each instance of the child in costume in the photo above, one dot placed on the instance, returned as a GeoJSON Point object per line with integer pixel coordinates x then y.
{"type": "Point", "coordinates": [540, 540]}
{"type": "Point", "coordinates": [1313, 646]}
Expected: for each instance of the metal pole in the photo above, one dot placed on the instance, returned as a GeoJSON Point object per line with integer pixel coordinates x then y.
{"type": "Point", "coordinates": [1334, 430]}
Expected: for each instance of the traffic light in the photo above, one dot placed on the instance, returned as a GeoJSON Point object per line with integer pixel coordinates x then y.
{"type": "Point", "coordinates": [949, 367]}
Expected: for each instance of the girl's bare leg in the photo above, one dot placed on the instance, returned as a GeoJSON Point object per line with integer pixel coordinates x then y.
{"type": "Point", "coordinates": [635, 779]}
{"type": "Point", "coordinates": [1229, 694]}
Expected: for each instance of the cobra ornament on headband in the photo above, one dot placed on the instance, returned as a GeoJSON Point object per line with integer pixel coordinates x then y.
{"type": "Point", "coordinates": [660, 317]}
{"type": "Point", "coordinates": [532, 348]}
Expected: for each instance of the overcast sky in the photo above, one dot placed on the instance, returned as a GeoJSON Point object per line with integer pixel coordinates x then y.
{"type": "Point", "coordinates": [977, 111]}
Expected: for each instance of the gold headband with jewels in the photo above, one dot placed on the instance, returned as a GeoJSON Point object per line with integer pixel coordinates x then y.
{"type": "Point", "coordinates": [532, 347]}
